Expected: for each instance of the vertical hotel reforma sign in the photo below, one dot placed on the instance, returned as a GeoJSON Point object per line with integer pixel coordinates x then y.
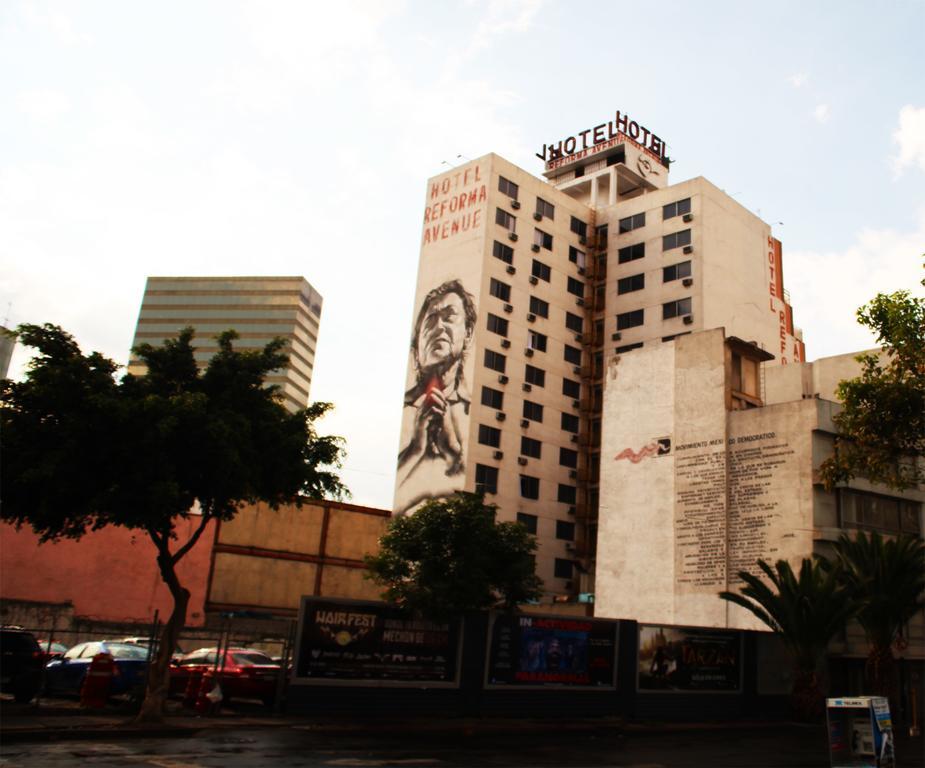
{"type": "Point", "coordinates": [432, 457]}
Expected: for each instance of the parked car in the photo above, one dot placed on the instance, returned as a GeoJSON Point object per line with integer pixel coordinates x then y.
{"type": "Point", "coordinates": [245, 673]}
{"type": "Point", "coordinates": [146, 641]}
{"type": "Point", "coordinates": [21, 662]}
{"type": "Point", "coordinates": [51, 650]}
{"type": "Point", "coordinates": [66, 675]}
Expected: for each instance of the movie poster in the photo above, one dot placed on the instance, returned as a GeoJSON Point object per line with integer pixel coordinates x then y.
{"type": "Point", "coordinates": [686, 659]}
{"type": "Point", "coordinates": [545, 651]}
{"type": "Point", "coordinates": [357, 641]}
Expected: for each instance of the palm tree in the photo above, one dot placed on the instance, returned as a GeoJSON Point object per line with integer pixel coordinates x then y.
{"type": "Point", "coordinates": [886, 578]}
{"type": "Point", "coordinates": [806, 611]}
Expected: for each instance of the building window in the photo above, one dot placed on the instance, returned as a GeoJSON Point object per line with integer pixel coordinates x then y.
{"type": "Point", "coordinates": [570, 422]}
{"type": "Point", "coordinates": [541, 270]}
{"type": "Point", "coordinates": [535, 376]}
{"type": "Point", "coordinates": [602, 232]}
{"type": "Point", "coordinates": [542, 239]}
{"type": "Point", "coordinates": [527, 521]}
{"type": "Point", "coordinates": [673, 336]}
{"type": "Point", "coordinates": [529, 487]}
{"type": "Point", "coordinates": [530, 447]}
{"type": "Point", "coordinates": [572, 355]}
{"type": "Point", "coordinates": [676, 271]}
{"type": "Point", "coordinates": [495, 360]}
{"type": "Point", "coordinates": [539, 307]}
{"type": "Point", "coordinates": [576, 287]}
{"type": "Point", "coordinates": [492, 398]}
{"type": "Point", "coordinates": [568, 457]}
{"type": "Point", "coordinates": [676, 239]}
{"type": "Point", "coordinates": [601, 266]}
{"type": "Point", "coordinates": [503, 252]}
{"type": "Point", "coordinates": [533, 411]}
{"type": "Point", "coordinates": [630, 319]}
{"type": "Point", "coordinates": [545, 209]}
{"type": "Point", "coordinates": [568, 494]}
{"type": "Point", "coordinates": [505, 219]}
{"type": "Point", "coordinates": [676, 308]}
{"type": "Point", "coordinates": [579, 227]}
{"type": "Point", "coordinates": [499, 290]}
{"type": "Point", "coordinates": [632, 222]}
{"type": "Point", "coordinates": [506, 187]}
{"type": "Point", "coordinates": [497, 324]}
{"type": "Point", "coordinates": [486, 479]}
{"type": "Point", "coordinates": [631, 283]}
{"type": "Point", "coordinates": [576, 257]}
{"type": "Point", "coordinates": [676, 209]}
{"type": "Point", "coordinates": [631, 253]}
{"type": "Point", "coordinates": [627, 348]}
{"type": "Point", "coordinates": [565, 530]}
{"type": "Point", "coordinates": [489, 436]}
{"type": "Point", "coordinates": [859, 509]}
{"type": "Point", "coordinates": [574, 322]}
{"type": "Point", "coordinates": [562, 569]}
{"type": "Point", "coordinates": [571, 388]}
{"type": "Point", "coordinates": [536, 341]}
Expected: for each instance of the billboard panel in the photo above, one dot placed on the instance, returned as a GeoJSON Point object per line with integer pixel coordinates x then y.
{"type": "Point", "coordinates": [536, 651]}
{"type": "Point", "coordinates": [366, 643]}
{"type": "Point", "coordinates": [690, 660]}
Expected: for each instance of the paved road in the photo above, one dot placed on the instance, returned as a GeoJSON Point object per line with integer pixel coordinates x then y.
{"type": "Point", "coordinates": [785, 747]}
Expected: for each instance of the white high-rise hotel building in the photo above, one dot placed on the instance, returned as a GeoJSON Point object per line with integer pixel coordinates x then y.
{"type": "Point", "coordinates": [530, 293]}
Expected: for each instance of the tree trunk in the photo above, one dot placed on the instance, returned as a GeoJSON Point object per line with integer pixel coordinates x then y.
{"type": "Point", "coordinates": [152, 709]}
{"type": "Point", "coordinates": [807, 698]}
{"type": "Point", "coordinates": [880, 673]}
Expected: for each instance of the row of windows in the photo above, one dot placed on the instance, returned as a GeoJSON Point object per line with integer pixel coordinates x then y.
{"type": "Point", "coordinates": [509, 222]}
{"type": "Point", "coordinates": [491, 436]}
{"type": "Point", "coordinates": [638, 282]}
{"type": "Point", "coordinates": [669, 211]}
{"type": "Point", "coordinates": [486, 481]}
{"type": "Point", "coordinates": [536, 342]}
{"type": "Point", "coordinates": [565, 529]}
{"type": "Point", "coordinates": [638, 250]}
{"type": "Point", "coordinates": [670, 309]}
{"type": "Point", "coordinates": [494, 398]}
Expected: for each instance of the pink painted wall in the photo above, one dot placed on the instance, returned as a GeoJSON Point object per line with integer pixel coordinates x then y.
{"type": "Point", "coordinates": [108, 575]}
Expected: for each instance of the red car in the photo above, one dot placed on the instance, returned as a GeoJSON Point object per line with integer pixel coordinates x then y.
{"type": "Point", "coordinates": [245, 674]}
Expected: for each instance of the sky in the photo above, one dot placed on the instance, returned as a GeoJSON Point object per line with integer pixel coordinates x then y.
{"type": "Point", "coordinates": [296, 138]}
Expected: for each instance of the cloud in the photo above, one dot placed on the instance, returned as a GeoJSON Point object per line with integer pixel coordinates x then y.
{"type": "Point", "coordinates": [910, 136]}
{"type": "Point", "coordinates": [43, 105]}
{"type": "Point", "coordinates": [827, 287]}
{"type": "Point", "coordinates": [822, 113]}
{"type": "Point", "coordinates": [501, 18]}
{"type": "Point", "coordinates": [798, 80]}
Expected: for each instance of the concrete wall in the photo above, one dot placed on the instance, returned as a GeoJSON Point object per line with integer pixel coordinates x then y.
{"type": "Point", "coordinates": [677, 525]}
{"type": "Point", "coordinates": [266, 559]}
{"type": "Point", "coordinates": [108, 575]}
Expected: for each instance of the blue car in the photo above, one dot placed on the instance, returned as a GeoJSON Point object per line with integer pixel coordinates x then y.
{"type": "Point", "coordinates": [66, 675]}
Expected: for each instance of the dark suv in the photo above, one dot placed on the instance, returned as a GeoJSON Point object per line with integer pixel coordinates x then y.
{"type": "Point", "coordinates": [21, 662]}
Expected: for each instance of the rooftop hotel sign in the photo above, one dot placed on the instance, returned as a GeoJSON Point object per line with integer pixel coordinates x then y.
{"type": "Point", "coordinates": [601, 137]}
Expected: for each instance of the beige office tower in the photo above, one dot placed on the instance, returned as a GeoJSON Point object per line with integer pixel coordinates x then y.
{"type": "Point", "coordinates": [529, 289]}
{"type": "Point", "coordinates": [258, 308]}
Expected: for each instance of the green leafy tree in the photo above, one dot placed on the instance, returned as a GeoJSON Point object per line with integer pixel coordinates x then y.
{"type": "Point", "coordinates": [451, 556]}
{"type": "Point", "coordinates": [806, 611]}
{"type": "Point", "coordinates": [881, 428]}
{"type": "Point", "coordinates": [82, 451]}
{"type": "Point", "coordinates": [886, 579]}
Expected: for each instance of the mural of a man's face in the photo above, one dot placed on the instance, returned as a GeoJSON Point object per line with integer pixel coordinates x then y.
{"type": "Point", "coordinates": [442, 335]}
